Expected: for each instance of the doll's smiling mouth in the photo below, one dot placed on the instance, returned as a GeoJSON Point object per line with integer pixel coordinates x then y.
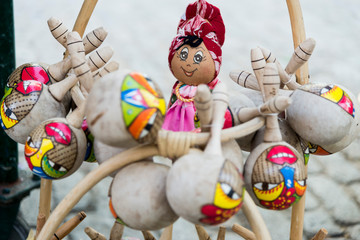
{"type": "Point", "coordinates": [188, 74]}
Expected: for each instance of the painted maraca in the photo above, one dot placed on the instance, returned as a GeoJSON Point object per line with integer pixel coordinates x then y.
{"type": "Point", "coordinates": [204, 187]}
{"type": "Point", "coordinates": [27, 103]}
{"type": "Point", "coordinates": [141, 203]}
{"type": "Point", "coordinates": [124, 109]}
{"type": "Point", "coordinates": [56, 148]}
{"type": "Point", "coordinates": [334, 117]}
{"type": "Point", "coordinates": [274, 171]}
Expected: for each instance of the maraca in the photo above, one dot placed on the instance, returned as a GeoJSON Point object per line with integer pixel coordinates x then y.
{"type": "Point", "coordinates": [56, 148]}
{"type": "Point", "coordinates": [141, 203]}
{"type": "Point", "coordinates": [274, 171]}
{"type": "Point", "coordinates": [333, 112]}
{"type": "Point", "coordinates": [124, 109]}
{"type": "Point", "coordinates": [204, 187]}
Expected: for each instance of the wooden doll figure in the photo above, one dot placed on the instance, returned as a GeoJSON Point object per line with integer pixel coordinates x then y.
{"type": "Point", "coordinates": [194, 58]}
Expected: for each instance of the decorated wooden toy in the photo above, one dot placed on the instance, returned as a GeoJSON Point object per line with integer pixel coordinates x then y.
{"type": "Point", "coordinates": [205, 187]}
{"type": "Point", "coordinates": [334, 116]}
{"type": "Point", "coordinates": [195, 58]}
{"type": "Point", "coordinates": [124, 109]}
{"type": "Point", "coordinates": [274, 171]}
{"type": "Point", "coordinates": [334, 123]}
{"type": "Point", "coordinates": [30, 98]}
{"type": "Point", "coordinates": [141, 203]}
{"type": "Point", "coordinates": [56, 148]}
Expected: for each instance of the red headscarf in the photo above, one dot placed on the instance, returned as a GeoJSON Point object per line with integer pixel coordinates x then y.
{"type": "Point", "coordinates": [204, 21]}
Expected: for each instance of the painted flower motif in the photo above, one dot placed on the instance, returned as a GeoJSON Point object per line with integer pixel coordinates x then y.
{"type": "Point", "coordinates": [216, 215]}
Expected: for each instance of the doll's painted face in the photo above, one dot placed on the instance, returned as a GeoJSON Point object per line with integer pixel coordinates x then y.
{"type": "Point", "coordinates": [193, 65]}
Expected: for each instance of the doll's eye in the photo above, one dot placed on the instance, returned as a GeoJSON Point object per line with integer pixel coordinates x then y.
{"type": "Point", "coordinates": [198, 57]}
{"type": "Point", "coordinates": [184, 53]}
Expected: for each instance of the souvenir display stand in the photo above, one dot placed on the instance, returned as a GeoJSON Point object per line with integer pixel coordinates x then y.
{"type": "Point", "coordinates": [56, 145]}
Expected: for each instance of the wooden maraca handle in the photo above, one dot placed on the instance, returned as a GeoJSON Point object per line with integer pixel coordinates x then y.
{"type": "Point", "coordinates": [275, 105]}
{"type": "Point", "coordinates": [221, 101]}
{"type": "Point", "coordinates": [108, 68]}
{"type": "Point", "coordinates": [285, 78]}
{"type": "Point", "coordinates": [204, 106]}
{"type": "Point", "coordinates": [300, 56]}
{"type": "Point", "coordinates": [245, 79]}
{"type": "Point", "coordinates": [93, 234]}
{"type": "Point", "coordinates": [117, 231]}
{"type": "Point", "coordinates": [91, 41]}
{"type": "Point", "coordinates": [258, 64]}
{"type": "Point", "coordinates": [271, 81]}
{"type": "Point", "coordinates": [67, 227]}
{"type": "Point", "coordinates": [58, 30]}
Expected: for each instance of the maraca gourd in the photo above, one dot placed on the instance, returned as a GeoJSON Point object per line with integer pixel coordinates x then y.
{"type": "Point", "coordinates": [274, 171]}
{"type": "Point", "coordinates": [56, 148]}
{"type": "Point", "coordinates": [28, 99]}
{"type": "Point", "coordinates": [25, 106]}
{"type": "Point", "coordinates": [124, 109]}
{"type": "Point", "coordinates": [141, 203]}
{"type": "Point", "coordinates": [324, 115]}
{"type": "Point", "coordinates": [204, 187]}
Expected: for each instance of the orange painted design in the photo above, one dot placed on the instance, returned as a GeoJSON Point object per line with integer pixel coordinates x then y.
{"type": "Point", "coordinates": [29, 151]}
{"type": "Point", "coordinates": [318, 150]}
{"type": "Point", "coordinates": [269, 195]}
{"type": "Point", "coordinates": [140, 122]}
{"type": "Point", "coordinates": [112, 210]}
{"type": "Point", "coordinates": [143, 82]}
{"type": "Point", "coordinates": [300, 190]}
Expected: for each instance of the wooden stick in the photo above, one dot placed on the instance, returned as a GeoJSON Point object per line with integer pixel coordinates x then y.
{"type": "Point", "coordinates": [221, 233]}
{"type": "Point", "coordinates": [167, 233]}
{"type": "Point", "coordinates": [243, 232]}
{"type": "Point", "coordinates": [44, 203]}
{"type": "Point", "coordinates": [321, 235]}
{"type": "Point", "coordinates": [116, 231]}
{"type": "Point", "coordinates": [297, 219]}
{"type": "Point", "coordinates": [302, 77]}
{"type": "Point", "coordinates": [148, 235]}
{"type": "Point", "coordinates": [298, 32]}
{"type": "Point", "coordinates": [93, 234]}
{"type": "Point", "coordinates": [41, 219]}
{"type": "Point", "coordinates": [31, 235]}
{"type": "Point", "coordinates": [83, 18]}
{"type": "Point", "coordinates": [254, 218]}
{"type": "Point", "coordinates": [68, 226]}
{"type": "Point", "coordinates": [203, 235]}
{"type": "Point", "coordinates": [45, 197]}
